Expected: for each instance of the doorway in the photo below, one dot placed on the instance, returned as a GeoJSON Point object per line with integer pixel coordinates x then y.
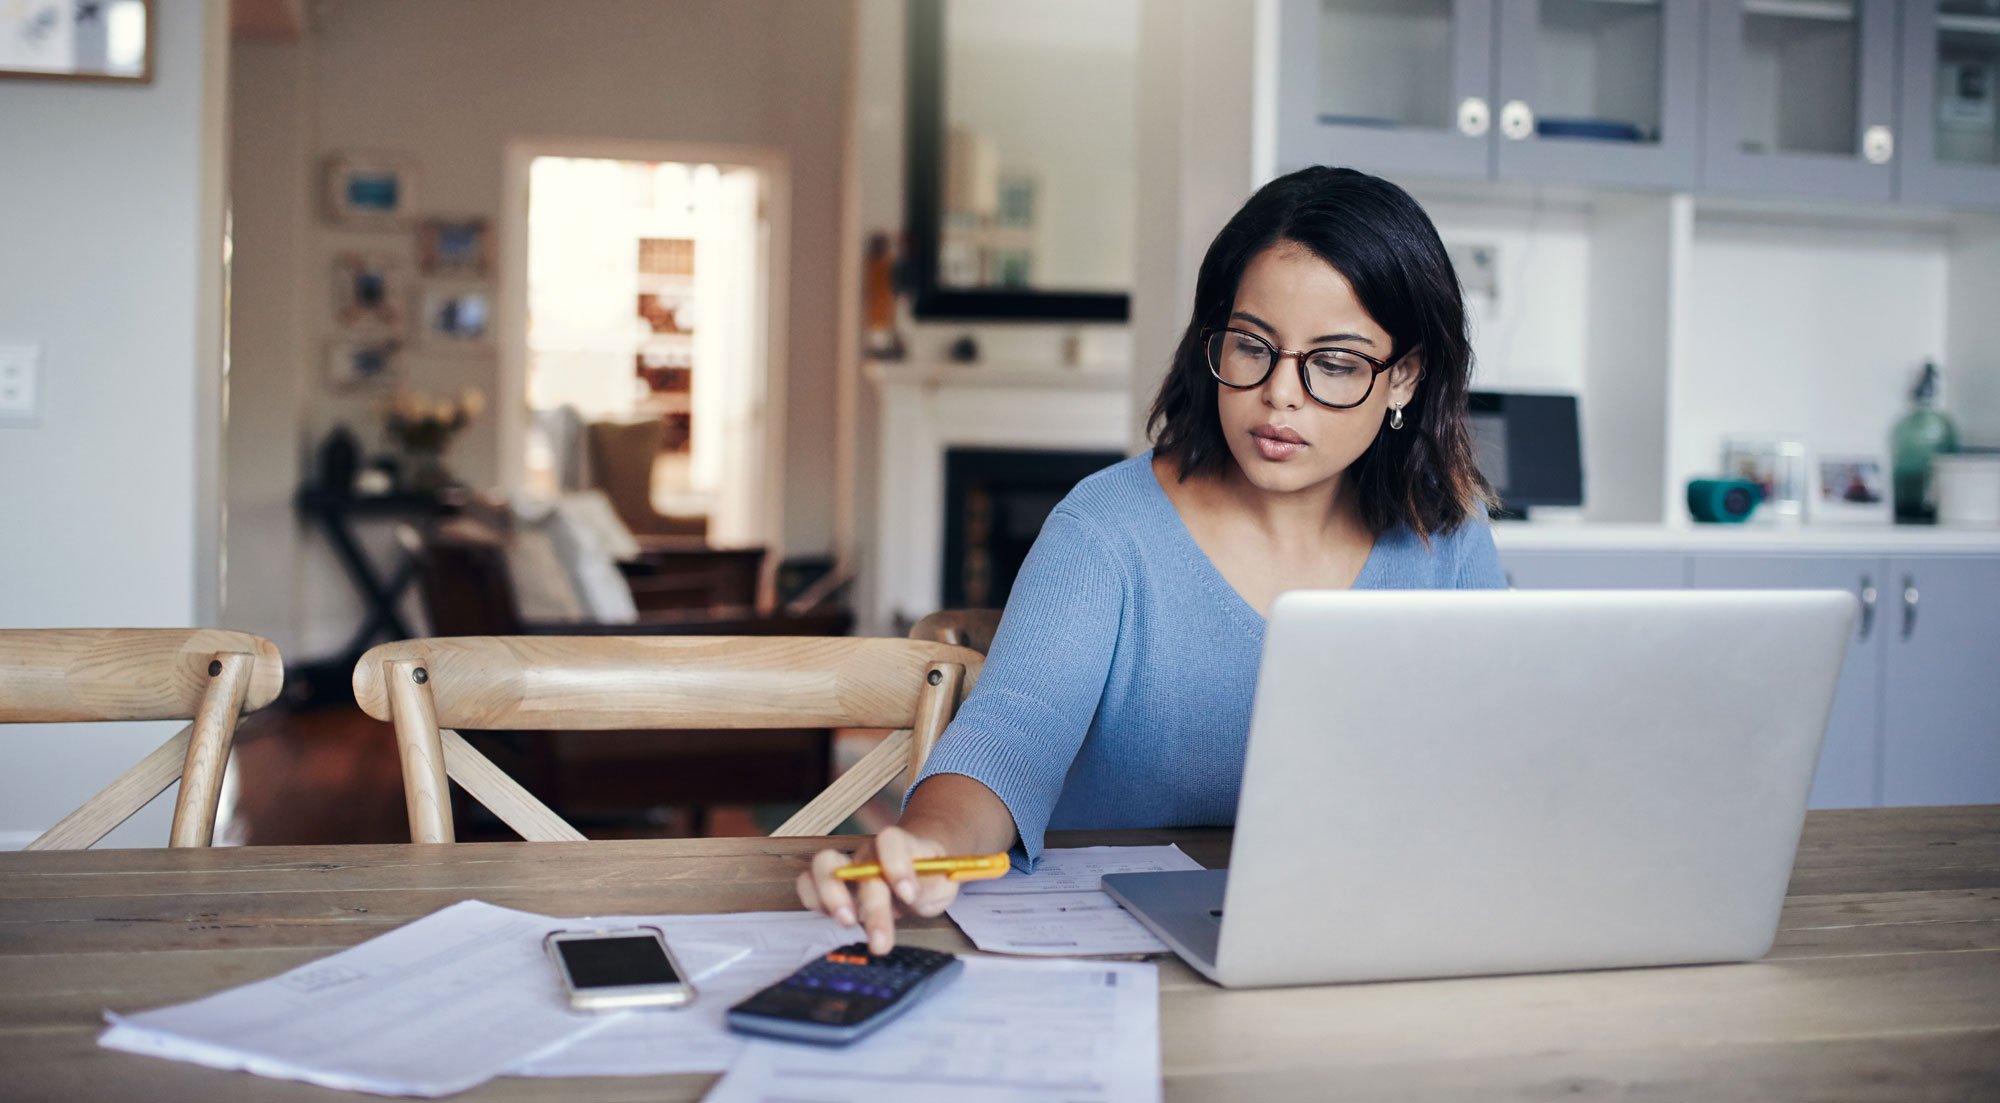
{"type": "Point", "coordinates": [642, 333]}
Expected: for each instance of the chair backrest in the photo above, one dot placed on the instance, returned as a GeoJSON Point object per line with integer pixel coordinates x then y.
{"type": "Point", "coordinates": [463, 579]}
{"type": "Point", "coordinates": [971, 628]}
{"type": "Point", "coordinates": [206, 676]}
{"type": "Point", "coordinates": [428, 687]}
{"type": "Point", "coordinates": [621, 462]}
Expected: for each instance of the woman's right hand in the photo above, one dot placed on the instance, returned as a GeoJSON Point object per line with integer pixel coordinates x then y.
{"type": "Point", "coordinates": [876, 901]}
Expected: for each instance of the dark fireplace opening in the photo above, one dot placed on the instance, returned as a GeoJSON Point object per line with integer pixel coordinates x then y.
{"type": "Point", "coordinates": [995, 501]}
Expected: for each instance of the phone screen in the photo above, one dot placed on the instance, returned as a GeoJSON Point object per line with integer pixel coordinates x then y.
{"type": "Point", "coordinates": [611, 962]}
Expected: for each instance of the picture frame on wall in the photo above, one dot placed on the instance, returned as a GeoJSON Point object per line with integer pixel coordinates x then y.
{"type": "Point", "coordinates": [456, 315]}
{"type": "Point", "coordinates": [369, 293]}
{"type": "Point", "coordinates": [84, 40]}
{"type": "Point", "coordinates": [454, 247]}
{"type": "Point", "coordinates": [370, 191]}
{"type": "Point", "coordinates": [356, 364]}
{"type": "Point", "coordinates": [1850, 488]}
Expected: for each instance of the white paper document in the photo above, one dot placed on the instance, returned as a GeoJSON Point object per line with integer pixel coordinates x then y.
{"type": "Point", "coordinates": [430, 1008]}
{"type": "Point", "coordinates": [1060, 910]}
{"type": "Point", "coordinates": [1004, 1031]}
{"type": "Point", "coordinates": [433, 1007]}
{"type": "Point", "coordinates": [695, 1038]}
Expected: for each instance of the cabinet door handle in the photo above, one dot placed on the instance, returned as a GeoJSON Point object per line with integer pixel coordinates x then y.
{"type": "Point", "coordinates": [1868, 596]}
{"type": "Point", "coordinates": [1473, 117]}
{"type": "Point", "coordinates": [1517, 120]}
{"type": "Point", "coordinates": [1909, 605]}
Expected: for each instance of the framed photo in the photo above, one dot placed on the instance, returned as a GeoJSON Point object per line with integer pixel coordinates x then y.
{"type": "Point", "coordinates": [358, 363]}
{"type": "Point", "coordinates": [95, 40]}
{"type": "Point", "coordinates": [1777, 466]}
{"type": "Point", "coordinates": [368, 292]}
{"type": "Point", "coordinates": [457, 315]}
{"type": "Point", "coordinates": [454, 247]}
{"type": "Point", "coordinates": [1851, 487]}
{"type": "Point", "coordinates": [370, 191]}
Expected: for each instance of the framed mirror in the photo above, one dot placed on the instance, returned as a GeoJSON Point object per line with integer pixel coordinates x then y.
{"type": "Point", "coordinates": [98, 40]}
{"type": "Point", "coordinates": [1023, 121]}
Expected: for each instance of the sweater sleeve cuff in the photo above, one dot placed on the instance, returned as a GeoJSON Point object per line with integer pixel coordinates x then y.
{"type": "Point", "coordinates": [1024, 775]}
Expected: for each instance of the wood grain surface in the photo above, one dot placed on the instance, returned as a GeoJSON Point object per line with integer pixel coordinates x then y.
{"type": "Point", "coordinates": [1884, 983]}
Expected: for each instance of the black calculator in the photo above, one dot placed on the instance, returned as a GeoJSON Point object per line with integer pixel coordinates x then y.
{"type": "Point", "coordinates": [844, 996]}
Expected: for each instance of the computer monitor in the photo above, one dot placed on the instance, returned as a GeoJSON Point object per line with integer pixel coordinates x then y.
{"type": "Point", "coordinates": [1529, 448]}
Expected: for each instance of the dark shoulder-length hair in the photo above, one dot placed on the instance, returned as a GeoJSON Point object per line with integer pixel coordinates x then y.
{"type": "Point", "coordinates": [1422, 475]}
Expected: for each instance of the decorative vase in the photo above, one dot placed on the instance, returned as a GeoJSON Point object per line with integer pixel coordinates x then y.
{"type": "Point", "coordinates": [424, 471]}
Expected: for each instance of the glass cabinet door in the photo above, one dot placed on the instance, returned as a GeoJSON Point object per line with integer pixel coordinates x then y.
{"type": "Point", "coordinates": [1801, 97]}
{"type": "Point", "coordinates": [1951, 102]}
{"type": "Point", "coordinates": [1386, 85]}
{"type": "Point", "coordinates": [1599, 91]}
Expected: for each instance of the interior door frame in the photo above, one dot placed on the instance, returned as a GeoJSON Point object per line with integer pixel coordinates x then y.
{"type": "Point", "coordinates": [511, 311]}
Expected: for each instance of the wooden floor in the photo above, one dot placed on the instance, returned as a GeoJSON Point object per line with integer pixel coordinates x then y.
{"type": "Point", "coordinates": [330, 775]}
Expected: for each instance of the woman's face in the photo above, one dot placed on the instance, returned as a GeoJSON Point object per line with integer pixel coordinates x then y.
{"type": "Point", "coordinates": [1284, 441]}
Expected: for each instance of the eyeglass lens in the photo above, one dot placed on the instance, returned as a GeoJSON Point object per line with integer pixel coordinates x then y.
{"type": "Point", "coordinates": [1334, 377]}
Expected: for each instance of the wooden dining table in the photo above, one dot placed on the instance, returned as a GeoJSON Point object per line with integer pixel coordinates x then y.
{"type": "Point", "coordinates": [1884, 983]}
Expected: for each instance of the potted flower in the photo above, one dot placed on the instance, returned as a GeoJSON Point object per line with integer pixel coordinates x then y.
{"type": "Point", "coordinates": [422, 426]}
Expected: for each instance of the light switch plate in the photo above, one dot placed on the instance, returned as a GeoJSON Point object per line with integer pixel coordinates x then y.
{"type": "Point", "coordinates": [20, 384]}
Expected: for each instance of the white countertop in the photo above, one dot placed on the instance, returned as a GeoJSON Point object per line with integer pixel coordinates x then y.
{"type": "Point", "coordinates": [1827, 539]}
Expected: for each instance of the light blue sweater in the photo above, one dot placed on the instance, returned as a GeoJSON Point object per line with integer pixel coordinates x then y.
{"type": "Point", "coordinates": [1117, 691]}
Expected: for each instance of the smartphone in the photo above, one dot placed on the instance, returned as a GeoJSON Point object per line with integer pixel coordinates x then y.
{"type": "Point", "coordinates": [628, 967]}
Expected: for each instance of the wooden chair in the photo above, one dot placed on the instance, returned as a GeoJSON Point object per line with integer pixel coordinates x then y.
{"type": "Point", "coordinates": [428, 688]}
{"type": "Point", "coordinates": [78, 675]}
{"type": "Point", "coordinates": [971, 628]}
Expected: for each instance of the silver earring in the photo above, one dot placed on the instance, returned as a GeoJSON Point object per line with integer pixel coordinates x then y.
{"type": "Point", "coordinates": [1395, 417]}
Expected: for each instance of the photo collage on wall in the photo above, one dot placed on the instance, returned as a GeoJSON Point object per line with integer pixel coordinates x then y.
{"type": "Point", "coordinates": [382, 302]}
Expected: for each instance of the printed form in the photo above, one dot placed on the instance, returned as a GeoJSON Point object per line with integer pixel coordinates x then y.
{"type": "Point", "coordinates": [1059, 910]}
{"type": "Point", "coordinates": [1004, 1030]}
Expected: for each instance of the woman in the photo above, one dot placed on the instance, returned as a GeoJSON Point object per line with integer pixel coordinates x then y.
{"type": "Point", "coordinates": [1310, 434]}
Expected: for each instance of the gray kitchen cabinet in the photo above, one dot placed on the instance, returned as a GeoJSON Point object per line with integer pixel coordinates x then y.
{"type": "Point", "coordinates": [1849, 774]}
{"type": "Point", "coordinates": [1800, 98]}
{"type": "Point", "coordinates": [1950, 127]}
{"type": "Point", "coordinates": [1395, 86]}
{"type": "Point", "coordinates": [1589, 92]}
{"type": "Point", "coordinates": [1941, 690]}
{"type": "Point", "coordinates": [1557, 91]}
{"type": "Point", "coordinates": [1594, 570]}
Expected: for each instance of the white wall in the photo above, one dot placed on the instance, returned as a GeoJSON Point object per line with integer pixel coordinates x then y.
{"type": "Point", "coordinates": [266, 381]}
{"type": "Point", "coordinates": [1198, 87]}
{"type": "Point", "coordinates": [450, 83]}
{"type": "Point", "coordinates": [110, 210]}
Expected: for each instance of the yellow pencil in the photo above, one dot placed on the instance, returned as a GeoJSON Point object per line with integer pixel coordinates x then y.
{"type": "Point", "coordinates": [968, 867]}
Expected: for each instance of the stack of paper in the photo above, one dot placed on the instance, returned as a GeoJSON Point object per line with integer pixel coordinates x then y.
{"type": "Point", "coordinates": [1060, 909]}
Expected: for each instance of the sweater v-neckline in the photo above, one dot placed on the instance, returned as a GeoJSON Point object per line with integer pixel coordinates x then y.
{"type": "Point", "coordinates": [1205, 568]}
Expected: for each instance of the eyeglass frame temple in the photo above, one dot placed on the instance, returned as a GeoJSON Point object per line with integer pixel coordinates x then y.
{"type": "Point", "coordinates": [1298, 358]}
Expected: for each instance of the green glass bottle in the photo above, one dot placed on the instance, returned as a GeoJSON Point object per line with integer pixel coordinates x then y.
{"type": "Point", "coordinates": [1921, 434]}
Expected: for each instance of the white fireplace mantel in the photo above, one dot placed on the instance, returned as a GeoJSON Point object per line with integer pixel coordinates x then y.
{"type": "Point", "coordinates": [929, 408]}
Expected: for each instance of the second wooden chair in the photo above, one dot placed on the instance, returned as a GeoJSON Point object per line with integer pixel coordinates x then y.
{"type": "Point", "coordinates": [428, 688]}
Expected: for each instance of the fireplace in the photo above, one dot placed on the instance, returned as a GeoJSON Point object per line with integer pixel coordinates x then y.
{"type": "Point", "coordinates": [995, 502]}
{"type": "Point", "coordinates": [1079, 418]}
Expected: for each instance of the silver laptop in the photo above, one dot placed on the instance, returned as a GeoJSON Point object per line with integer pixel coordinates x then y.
{"type": "Point", "coordinates": [1455, 783]}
